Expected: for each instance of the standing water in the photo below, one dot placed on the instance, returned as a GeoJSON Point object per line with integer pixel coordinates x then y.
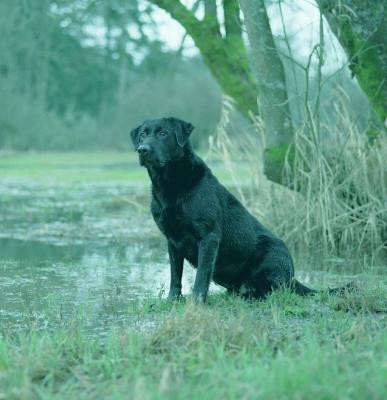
{"type": "Point", "coordinates": [82, 251]}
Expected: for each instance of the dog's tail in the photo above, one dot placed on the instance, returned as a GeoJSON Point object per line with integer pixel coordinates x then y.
{"type": "Point", "coordinates": [299, 288]}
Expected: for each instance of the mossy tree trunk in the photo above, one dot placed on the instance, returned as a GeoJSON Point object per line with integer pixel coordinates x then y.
{"type": "Point", "coordinates": [270, 73]}
{"type": "Point", "coordinates": [361, 28]}
{"type": "Point", "coordinates": [226, 57]}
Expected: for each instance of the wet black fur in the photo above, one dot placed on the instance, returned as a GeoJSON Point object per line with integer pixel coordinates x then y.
{"type": "Point", "coordinates": [204, 223]}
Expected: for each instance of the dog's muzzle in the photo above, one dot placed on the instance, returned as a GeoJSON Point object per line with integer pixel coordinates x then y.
{"type": "Point", "coordinates": [144, 152]}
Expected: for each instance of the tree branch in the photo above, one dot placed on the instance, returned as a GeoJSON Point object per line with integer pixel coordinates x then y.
{"type": "Point", "coordinates": [362, 32]}
{"type": "Point", "coordinates": [210, 7]}
{"type": "Point", "coordinates": [231, 18]}
{"type": "Point", "coordinates": [211, 17]}
{"type": "Point", "coordinates": [226, 59]}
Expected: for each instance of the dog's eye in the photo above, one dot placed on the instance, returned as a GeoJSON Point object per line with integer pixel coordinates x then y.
{"type": "Point", "coordinates": [162, 133]}
{"type": "Point", "coordinates": [143, 134]}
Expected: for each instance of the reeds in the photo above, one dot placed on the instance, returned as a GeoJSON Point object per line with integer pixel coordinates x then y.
{"type": "Point", "coordinates": [333, 201]}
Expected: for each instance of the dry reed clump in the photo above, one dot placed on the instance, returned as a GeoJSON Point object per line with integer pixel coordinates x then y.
{"type": "Point", "coordinates": [338, 204]}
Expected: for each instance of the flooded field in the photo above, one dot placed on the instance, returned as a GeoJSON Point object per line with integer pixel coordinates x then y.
{"type": "Point", "coordinates": [84, 251]}
{"type": "Point", "coordinates": [72, 249]}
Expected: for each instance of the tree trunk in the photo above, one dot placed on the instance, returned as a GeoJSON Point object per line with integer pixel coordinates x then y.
{"type": "Point", "coordinates": [227, 59]}
{"type": "Point", "coordinates": [273, 98]}
{"type": "Point", "coordinates": [361, 28]}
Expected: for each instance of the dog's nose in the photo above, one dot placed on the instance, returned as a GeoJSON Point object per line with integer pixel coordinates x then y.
{"type": "Point", "coordinates": [143, 149]}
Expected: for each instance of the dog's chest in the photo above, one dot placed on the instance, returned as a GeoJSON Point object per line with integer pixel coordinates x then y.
{"type": "Point", "coordinates": [176, 224]}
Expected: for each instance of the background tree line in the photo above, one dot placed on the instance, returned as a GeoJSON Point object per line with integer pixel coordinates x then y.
{"type": "Point", "coordinates": [79, 74]}
{"type": "Point", "coordinates": [63, 88]}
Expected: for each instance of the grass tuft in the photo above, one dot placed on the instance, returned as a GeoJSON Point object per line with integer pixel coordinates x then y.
{"type": "Point", "coordinates": [230, 348]}
{"type": "Point", "coordinates": [360, 300]}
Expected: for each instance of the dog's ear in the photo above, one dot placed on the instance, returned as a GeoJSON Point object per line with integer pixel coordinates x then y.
{"type": "Point", "coordinates": [182, 130]}
{"type": "Point", "coordinates": [135, 136]}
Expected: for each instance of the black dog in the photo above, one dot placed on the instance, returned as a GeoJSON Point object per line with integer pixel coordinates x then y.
{"type": "Point", "coordinates": [204, 223]}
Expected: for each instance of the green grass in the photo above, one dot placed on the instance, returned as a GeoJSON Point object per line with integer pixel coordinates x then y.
{"type": "Point", "coordinates": [70, 168]}
{"type": "Point", "coordinates": [67, 158]}
{"type": "Point", "coordinates": [286, 347]}
{"type": "Point", "coordinates": [84, 168]}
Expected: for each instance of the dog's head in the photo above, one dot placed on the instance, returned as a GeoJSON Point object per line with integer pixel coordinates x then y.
{"type": "Point", "coordinates": [160, 141]}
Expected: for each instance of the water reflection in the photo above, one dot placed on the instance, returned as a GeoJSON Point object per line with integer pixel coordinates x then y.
{"type": "Point", "coordinates": [81, 252]}
{"type": "Point", "coordinates": [99, 282]}
{"type": "Point", "coordinates": [32, 251]}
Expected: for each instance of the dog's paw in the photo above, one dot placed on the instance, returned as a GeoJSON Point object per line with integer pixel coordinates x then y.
{"type": "Point", "coordinates": [175, 296]}
{"type": "Point", "coordinates": [199, 298]}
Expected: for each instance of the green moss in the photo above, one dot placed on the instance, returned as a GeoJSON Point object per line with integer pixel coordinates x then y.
{"type": "Point", "coordinates": [373, 134]}
{"type": "Point", "coordinates": [275, 158]}
{"type": "Point", "coordinates": [366, 65]}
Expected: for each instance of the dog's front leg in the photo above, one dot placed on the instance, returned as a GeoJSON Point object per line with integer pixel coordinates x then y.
{"type": "Point", "coordinates": [176, 261]}
{"type": "Point", "coordinates": [208, 250]}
